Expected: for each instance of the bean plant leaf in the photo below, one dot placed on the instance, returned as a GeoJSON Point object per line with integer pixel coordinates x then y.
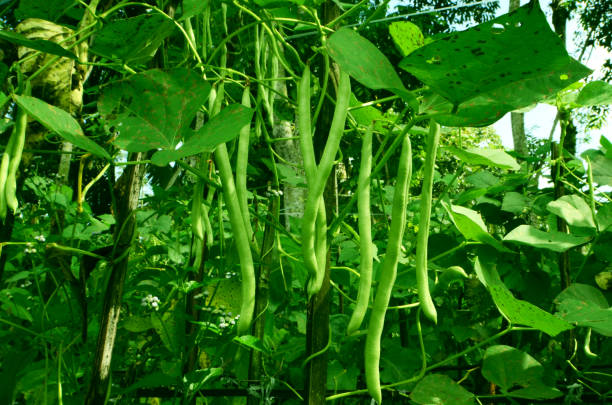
{"type": "Point", "coordinates": [555, 241]}
{"type": "Point", "coordinates": [251, 342]}
{"type": "Point", "coordinates": [138, 323]}
{"type": "Point", "coordinates": [485, 157]}
{"type": "Point", "coordinates": [517, 311]}
{"type": "Point", "coordinates": [573, 209]}
{"type": "Point", "coordinates": [601, 164]}
{"type": "Point", "coordinates": [50, 10]}
{"type": "Point", "coordinates": [366, 64]}
{"type": "Point", "coordinates": [440, 389]}
{"type": "Point", "coordinates": [223, 127]}
{"type": "Point", "coordinates": [37, 44]}
{"type": "Point", "coordinates": [153, 109]}
{"type": "Point", "coordinates": [59, 121]}
{"type": "Point", "coordinates": [514, 202]}
{"type": "Point", "coordinates": [193, 7]}
{"type": "Point", "coordinates": [132, 40]}
{"type": "Point", "coordinates": [603, 217]}
{"type": "Point", "coordinates": [586, 306]}
{"type": "Point", "coordinates": [407, 36]}
{"type": "Point", "coordinates": [471, 225]}
{"type": "Point", "coordinates": [595, 93]}
{"type": "Point", "coordinates": [498, 66]}
{"type": "Point", "coordinates": [510, 368]}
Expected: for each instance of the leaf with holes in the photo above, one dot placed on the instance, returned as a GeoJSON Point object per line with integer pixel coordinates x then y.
{"type": "Point", "coordinates": [153, 109]}
{"type": "Point", "coordinates": [59, 121]}
{"type": "Point", "coordinates": [555, 241]}
{"type": "Point", "coordinates": [501, 65]}
{"type": "Point", "coordinates": [517, 311]}
{"type": "Point", "coordinates": [366, 64]}
{"type": "Point", "coordinates": [223, 127]}
{"type": "Point", "coordinates": [440, 389]}
{"type": "Point", "coordinates": [132, 40]}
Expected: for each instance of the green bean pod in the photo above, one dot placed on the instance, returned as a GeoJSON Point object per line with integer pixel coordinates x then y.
{"type": "Point", "coordinates": [427, 304]}
{"type": "Point", "coordinates": [304, 126]}
{"type": "Point", "coordinates": [10, 189]}
{"type": "Point", "coordinates": [316, 187]}
{"type": "Point", "coordinates": [242, 161]}
{"type": "Point", "coordinates": [365, 234]}
{"type": "Point", "coordinates": [247, 269]}
{"type": "Point", "coordinates": [388, 272]}
{"type": "Point", "coordinates": [7, 158]}
{"type": "Point", "coordinates": [310, 168]}
{"type": "Point", "coordinates": [197, 223]}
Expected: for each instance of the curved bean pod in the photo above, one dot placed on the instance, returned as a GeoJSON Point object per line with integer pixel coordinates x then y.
{"type": "Point", "coordinates": [365, 234]}
{"type": "Point", "coordinates": [315, 189]}
{"type": "Point", "coordinates": [427, 304]}
{"type": "Point", "coordinates": [388, 272]}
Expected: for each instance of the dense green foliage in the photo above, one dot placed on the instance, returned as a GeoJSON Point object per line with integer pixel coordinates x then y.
{"type": "Point", "coordinates": [193, 192]}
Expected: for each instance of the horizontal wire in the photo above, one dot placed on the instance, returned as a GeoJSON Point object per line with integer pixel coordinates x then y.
{"type": "Point", "coordinates": [396, 17]}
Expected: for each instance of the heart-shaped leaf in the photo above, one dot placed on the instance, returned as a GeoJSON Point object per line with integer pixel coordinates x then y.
{"type": "Point", "coordinates": [573, 209]}
{"type": "Point", "coordinates": [132, 40]}
{"type": "Point", "coordinates": [153, 109]}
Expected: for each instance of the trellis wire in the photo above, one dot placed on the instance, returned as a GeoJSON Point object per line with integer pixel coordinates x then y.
{"type": "Point", "coordinates": [397, 17]}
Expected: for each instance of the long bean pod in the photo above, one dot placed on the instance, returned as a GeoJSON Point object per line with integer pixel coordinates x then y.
{"type": "Point", "coordinates": [365, 234]}
{"type": "Point", "coordinates": [197, 223]}
{"type": "Point", "coordinates": [388, 272]}
{"type": "Point", "coordinates": [316, 187]}
{"type": "Point", "coordinates": [427, 304]}
{"type": "Point", "coordinates": [247, 269]}
{"type": "Point", "coordinates": [242, 161]}
{"type": "Point", "coordinates": [10, 189]}
{"type": "Point", "coordinates": [4, 167]}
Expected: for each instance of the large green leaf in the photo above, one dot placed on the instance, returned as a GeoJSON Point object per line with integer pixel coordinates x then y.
{"type": "Point", "coordinates": [514, 202]}
{"type": "Point", "coordinates": [586, 306]}
{"type": "Point", "coordinates": [193, 7]}
{"type": "Point", "coordinates": [471, 226]}
{"type": "Point", "coordinates": [498, 66]}
{"type": "Point", "coordinates": [485, 157]}
{"type": "Point", "coordinates": [50, 10]}
{"type": "Point", "coordinates": [595, 93]}
{"type": "Point", "coordinates": [555, 241]}
{"type": "Point", "coordinates": [440, 389]}
{"type": "Point", "coordinates": [573, 210]}
{"type": "Point", "coordinates": [59, 121]}
{"type": "Point", "coordinates": [132, 40]}
{"type": "Point", "coordinates": [223, 127]}
{"type": "Point", "coordinates": [601, 165]}
{"type": "Point", "coordinates": [366, 64]}
{"type": "Point", "coordinates": [407, 36]}
{"type": "Point", "coordinates": [517, 311]}
{"type": "Point", "coordinates": [37, 44]}
{"type": "Point", "coordinates": [153, 109]}
{"type": "Point", "coordinates": [509, 368]}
